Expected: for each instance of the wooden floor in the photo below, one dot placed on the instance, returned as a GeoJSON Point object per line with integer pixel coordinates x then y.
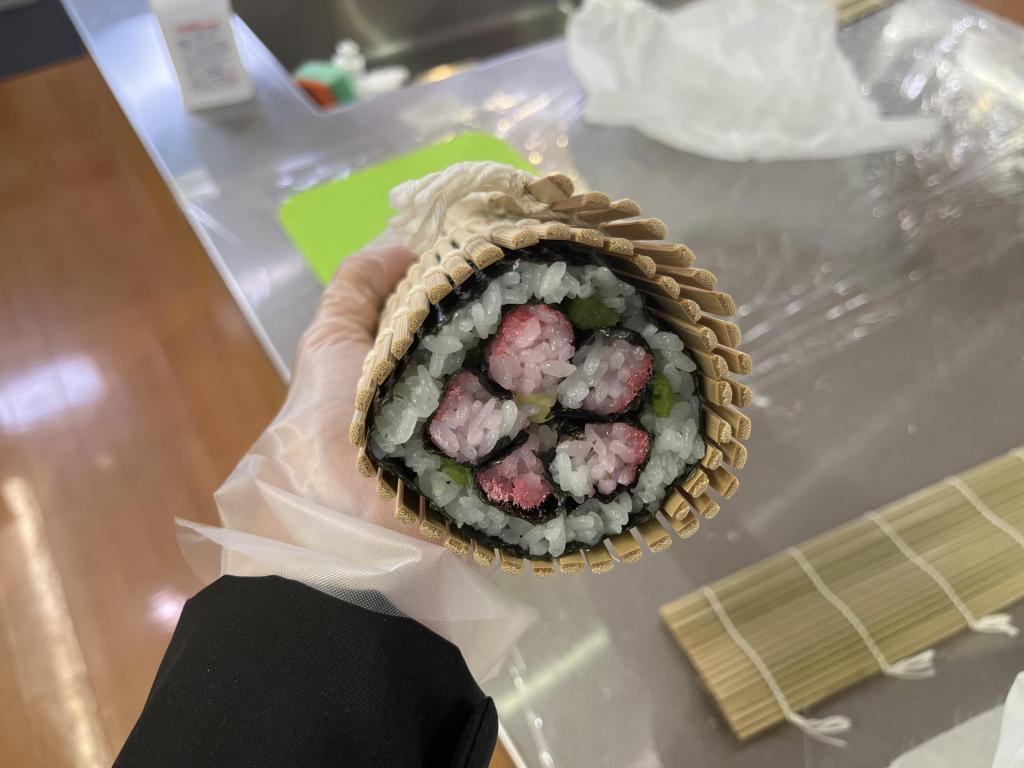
{"type": "Point", "coordinates": [130, 385]}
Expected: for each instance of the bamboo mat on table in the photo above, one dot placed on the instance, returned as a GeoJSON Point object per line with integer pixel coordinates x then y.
{"type": "Point", "coordinates": [849, 11]}
{"type": "Point", "coordinates": [967, 528]}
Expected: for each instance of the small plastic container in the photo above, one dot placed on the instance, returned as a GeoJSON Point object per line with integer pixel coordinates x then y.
{"type": "Point", "coordinates": [202, 46]}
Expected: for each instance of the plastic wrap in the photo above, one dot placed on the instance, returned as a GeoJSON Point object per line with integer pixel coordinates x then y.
{"type": "Point", "coordinates": [880, 301]}
{"type": "Point", "coordinates": [1010, 750]}
{"type": "Point", "coordinates": [909, 206]}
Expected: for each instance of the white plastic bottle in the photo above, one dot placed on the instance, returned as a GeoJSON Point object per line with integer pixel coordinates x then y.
{"type": "Point", "coordinates": [203, 50]}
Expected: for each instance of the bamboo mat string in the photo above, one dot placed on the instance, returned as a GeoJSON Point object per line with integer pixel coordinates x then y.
{"type": "Point", "coordinates": [985, 511]}
{"type": "Point", "coordinates": [822, 729]}
{"type": "Point", "coordinates": [422, 204]}
{"type": "Point", "coordinates": [916, 667]}
{"type": "Point", "coordinates": [813, 653]}
{"type": "Point", "coordinates": [991, 624]}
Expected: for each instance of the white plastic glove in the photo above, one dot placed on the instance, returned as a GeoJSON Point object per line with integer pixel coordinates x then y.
{"type": "Point", "coordinates": [296, 506]}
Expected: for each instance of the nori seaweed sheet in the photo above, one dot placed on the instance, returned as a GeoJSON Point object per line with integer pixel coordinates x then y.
{"type": "Point", "coordinates": [544, 253]}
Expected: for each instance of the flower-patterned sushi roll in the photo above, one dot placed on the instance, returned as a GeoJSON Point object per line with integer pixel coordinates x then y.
{"type": "Point", "coordinates": [549, 375]}
{"type": "Point", "coordinates": [557, 410]}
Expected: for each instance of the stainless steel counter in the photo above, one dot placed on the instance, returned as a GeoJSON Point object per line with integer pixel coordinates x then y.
{"type": "Point", "coordinates": [880, 298]}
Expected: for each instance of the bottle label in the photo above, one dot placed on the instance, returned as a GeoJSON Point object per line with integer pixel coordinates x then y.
{"type": "Point", "coordinates": [206, 50]}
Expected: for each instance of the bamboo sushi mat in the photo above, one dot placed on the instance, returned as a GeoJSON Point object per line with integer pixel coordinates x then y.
{"type": "Point", "coordinates": [967, 528]}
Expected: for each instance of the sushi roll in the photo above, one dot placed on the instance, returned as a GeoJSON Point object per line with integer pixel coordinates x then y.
{"type": "Point", "coordinates": [548, 388]}
{"type": "Point", "coordinates": [519, 482]}
{"type": "Point", "coordinates": [470, 421]}
{"type": "Point", "coordinates": [600, 460]}
{"type": "Point", "coordinates": [612, 371]}
{"type": "Point", "coordinates": [527, 417]}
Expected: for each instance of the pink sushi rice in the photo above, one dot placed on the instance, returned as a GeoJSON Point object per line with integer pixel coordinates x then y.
{"type": "Point", "coordinates": [531, 350]}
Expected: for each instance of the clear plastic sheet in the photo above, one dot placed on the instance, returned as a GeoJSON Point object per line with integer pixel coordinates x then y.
{"type": "Point", "coordinates": [1010, 751]}
{"type": "Point", "coordinates": [879, 298]}
{"type": "Point", "coordinates": [880, 302]}
{"type": "Point", "coordinates": [967, 73]}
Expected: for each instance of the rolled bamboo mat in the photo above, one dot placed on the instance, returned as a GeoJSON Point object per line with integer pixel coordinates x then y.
{"type": "Point", "coordinates": [682, 297]}
{"type": "Point", "coordinates": [968, 530]}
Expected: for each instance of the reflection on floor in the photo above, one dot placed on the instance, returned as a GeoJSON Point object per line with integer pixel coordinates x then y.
{"type": "Point", "coordinates": [129, 386]}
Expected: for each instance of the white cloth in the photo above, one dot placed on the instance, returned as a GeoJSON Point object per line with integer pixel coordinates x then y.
{"type": "Point", "coordinates": [729, 79]}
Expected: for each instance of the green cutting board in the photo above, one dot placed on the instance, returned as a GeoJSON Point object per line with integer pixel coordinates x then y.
{"type": "Point", "coordinates": [330, 221]}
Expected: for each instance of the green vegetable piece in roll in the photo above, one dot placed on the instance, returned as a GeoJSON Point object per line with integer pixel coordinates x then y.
{"type": "Point", "coordinates": [457, 472]}
{"type": "Point", "coordinates": [591, 314]}
{"type": "Point", "coordinates": [662, 397]}
{"type": "Point", "coordinates": [541, 401]}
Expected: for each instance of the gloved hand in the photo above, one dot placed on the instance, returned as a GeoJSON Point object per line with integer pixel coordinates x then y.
{"type": "Point", "coordinates": [321, 459]}
{"type": "Point", "coordinates": [296, 506]}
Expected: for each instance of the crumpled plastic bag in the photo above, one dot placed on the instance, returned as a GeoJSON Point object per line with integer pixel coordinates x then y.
{"type": "Point", "coordinates": [295, 506]}
{"type": "Point", "coordinates": [730, 79]}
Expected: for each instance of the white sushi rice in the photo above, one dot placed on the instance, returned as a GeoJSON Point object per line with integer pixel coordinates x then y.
{"type": "Point", "coordinates": [398, 427]}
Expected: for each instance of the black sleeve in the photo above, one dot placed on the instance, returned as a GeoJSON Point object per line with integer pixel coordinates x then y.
{"type": "Point", "coordinates": [269, 672]}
